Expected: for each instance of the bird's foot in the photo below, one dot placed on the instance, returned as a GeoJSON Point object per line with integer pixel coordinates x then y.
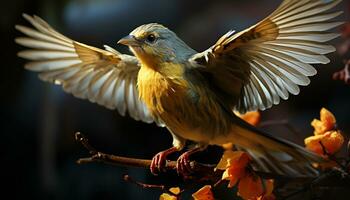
{"type": "Point", "coordinates": [183, 165]}
{"type": "Point", "coordinates": [159, 161]}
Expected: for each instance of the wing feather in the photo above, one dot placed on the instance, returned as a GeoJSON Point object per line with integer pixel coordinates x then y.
{"type": "Point", "coordinates": [105, 77]}
{"type": "Point", "coordinates": [276, 54]}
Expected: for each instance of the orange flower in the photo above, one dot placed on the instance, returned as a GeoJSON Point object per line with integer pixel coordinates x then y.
{"type": "Point", "coordinates": [167, 196]}
{"type": "Point", "coordinates": [331, 140]}
{"type": "Point", "coordinates": [250, 186]}
{"type": "Point", "coordinates": [252, 117]}
{"type": "Point", "coordinates": [326, 123]}
{"type": "Point", "coordinates": [234, 163]}
{"type": "Point", "coordinates": [204, 193]}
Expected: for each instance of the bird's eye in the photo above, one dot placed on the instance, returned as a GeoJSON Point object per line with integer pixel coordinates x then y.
{"type": "Point", "coordinates": [151, 38]}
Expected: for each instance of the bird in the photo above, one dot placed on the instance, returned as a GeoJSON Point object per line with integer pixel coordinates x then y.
{"type": "Point", "coordinates": [195, 94]}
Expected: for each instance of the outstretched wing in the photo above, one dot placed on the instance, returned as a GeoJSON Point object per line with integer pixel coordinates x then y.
{"type": "Point", "coordinates": [102, 76]}
{"type": "Point", "coordinates": [254, 68]}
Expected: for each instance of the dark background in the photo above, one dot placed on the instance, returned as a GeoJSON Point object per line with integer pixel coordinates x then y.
{"type": "Point", "coordinates": [38, 150]}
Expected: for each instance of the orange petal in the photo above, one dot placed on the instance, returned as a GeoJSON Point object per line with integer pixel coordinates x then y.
{"type": "Point", "coordinates": [331, 140]}
{"type": "Point", "coordinates": [250, 187]}
{"type": "Point", "coordinates": [313, 143]}
{"type": "Point", "coordinates": [233, 175]}
{"type": "Point", "coordinates": [252, 117]}
{"type": "Point", "coordinates": [319, 127]}
{"type": "Point", "coordinates": [327, 118]}
{"type": "Point", "coordinates": [204, 193]}
{"type": "Point", "coordinates": [240, 161]}
{"type": "Point", "coordinates": [234, 163]}
{"type": "Point", "coordinates": [326, 123]}
{"type": "Point", "coordinates": [232, 157]}
{"type": "Point", "coordinates": [268, 191]}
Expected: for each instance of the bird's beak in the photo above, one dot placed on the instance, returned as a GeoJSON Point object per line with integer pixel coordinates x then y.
{"type": "Point", "coordinates": [129, 40]}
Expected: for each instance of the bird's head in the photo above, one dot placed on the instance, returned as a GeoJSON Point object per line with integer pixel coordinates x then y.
{"type": "Point", "coordinates": [154, 44]}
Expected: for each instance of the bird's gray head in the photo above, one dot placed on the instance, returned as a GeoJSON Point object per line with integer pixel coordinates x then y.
{"type": "Point", "coordinates": [154, 43]}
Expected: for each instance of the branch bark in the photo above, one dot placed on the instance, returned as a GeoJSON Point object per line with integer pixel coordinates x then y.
{"type": "Point", "coordinates": [202, 171]}
{"type": "Point", "coordinates": [100, 157]}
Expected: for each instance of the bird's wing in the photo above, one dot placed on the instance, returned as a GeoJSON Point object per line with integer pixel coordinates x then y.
{"type": "Point", "coordinates": [102, 76]}
{"type": "Point", "coordinates": [258, 66]}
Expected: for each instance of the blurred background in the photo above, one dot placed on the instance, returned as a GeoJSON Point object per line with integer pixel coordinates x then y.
{"type": "Point", "coordinates": [38, 120]}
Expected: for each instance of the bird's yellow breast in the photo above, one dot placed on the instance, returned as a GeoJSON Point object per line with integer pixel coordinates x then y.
{"type": "Point", "coordinates": [159, 92]}
{"type": "Point", "coordinates": [171, 100]}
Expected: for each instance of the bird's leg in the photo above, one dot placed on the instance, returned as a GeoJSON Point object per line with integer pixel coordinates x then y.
{"type": "Point", "coordinates": [183, 165]}
{"type": "Point", "coordinates": [159, 160]}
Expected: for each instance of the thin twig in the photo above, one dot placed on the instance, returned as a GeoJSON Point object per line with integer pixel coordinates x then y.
{"type": "Point", "coordinates": [85, 142]}
{"type": "Point", "coordinates": [163, 188]}
{"type": "Point", "coordinates": [219, 182]}
{"type": "Point", "coordinates": [143, 185]}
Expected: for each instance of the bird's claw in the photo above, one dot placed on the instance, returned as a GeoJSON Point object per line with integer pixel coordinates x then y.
{"type": "Point", "coordinates": [158, 163]}
{"type": "Point", "coordinates": [183, 165]}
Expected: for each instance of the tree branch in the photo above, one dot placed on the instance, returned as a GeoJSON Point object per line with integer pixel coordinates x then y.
{"type": "Point", "coordinates": [127, 178]}
{"type": "Point", "coordinates": [96, 156]}
{"type": "Point", "coordinates": [202, 172]}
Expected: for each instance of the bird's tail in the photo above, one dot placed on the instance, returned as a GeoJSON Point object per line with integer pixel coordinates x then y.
{"type": "Point", "coordinates": [274, 155]}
